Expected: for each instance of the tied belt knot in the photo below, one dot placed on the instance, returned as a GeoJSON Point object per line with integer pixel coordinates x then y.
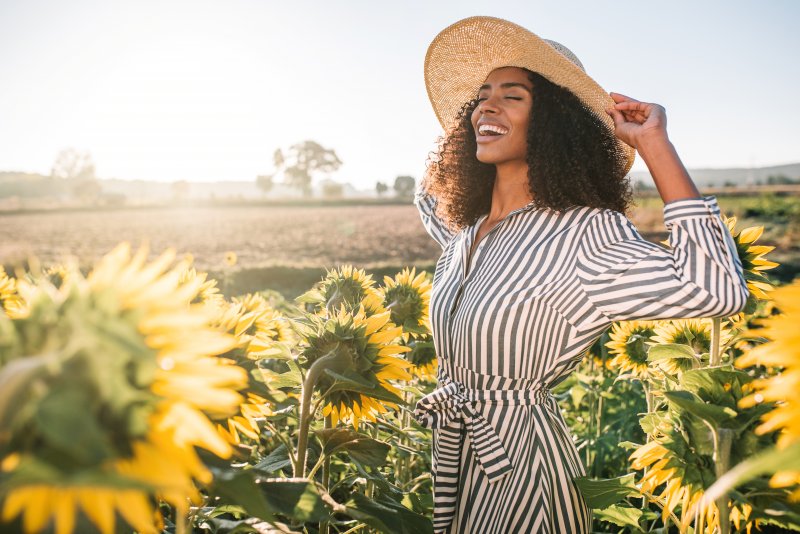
{"type": "Point", "coordinates": [451, 406]}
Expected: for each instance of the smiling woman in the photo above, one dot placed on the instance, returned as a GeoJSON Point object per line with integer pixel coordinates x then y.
{"type": "Point", "coordinates": [570, 154]}
{"type": "Point", "coordinates": [538, 259]}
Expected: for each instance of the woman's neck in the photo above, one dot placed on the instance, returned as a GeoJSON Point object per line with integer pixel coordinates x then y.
{"type": "Point", "coordinates": [510, 189]}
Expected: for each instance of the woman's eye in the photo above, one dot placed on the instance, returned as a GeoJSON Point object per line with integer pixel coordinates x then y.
{"type": "Point", "coordinates": [481, 99]}
{"type": "Point", "coordinates": [514, 97]}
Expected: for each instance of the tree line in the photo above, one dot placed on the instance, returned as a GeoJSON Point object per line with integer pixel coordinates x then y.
{"type": "Point", "coordinates": [307, 159]}
{"type": "Point", "coordinates": [73, 174]}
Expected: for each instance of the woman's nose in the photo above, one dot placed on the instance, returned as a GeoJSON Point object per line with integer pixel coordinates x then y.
{"type": "Point", "coordinates": [487, 105]}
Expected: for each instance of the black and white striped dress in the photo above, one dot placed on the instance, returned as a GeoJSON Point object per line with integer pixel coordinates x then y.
{"type": "Point", "coordinates": [540, 288]}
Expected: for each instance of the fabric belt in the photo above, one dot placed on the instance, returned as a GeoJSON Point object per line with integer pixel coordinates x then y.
{"type": "Point", "coordinates": [450, 408]}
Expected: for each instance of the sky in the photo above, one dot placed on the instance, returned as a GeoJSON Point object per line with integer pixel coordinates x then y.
{"type": "Point", "coordinates": [206, 90]}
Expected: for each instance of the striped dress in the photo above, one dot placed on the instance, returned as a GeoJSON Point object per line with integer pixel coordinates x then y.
{"type": "Point", "coordinates": [516, 320]}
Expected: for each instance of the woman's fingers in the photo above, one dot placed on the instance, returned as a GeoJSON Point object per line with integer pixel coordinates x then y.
{"type": "Point", "coordinates": [632, 106]}
{"type": "Point", "coordinates": [619, 97]}
{"type": "Point", "coordinates": [635, 111]}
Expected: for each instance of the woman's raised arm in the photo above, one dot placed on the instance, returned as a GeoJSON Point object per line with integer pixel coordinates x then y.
{"type": "Point", "coordinates": [435, 226]}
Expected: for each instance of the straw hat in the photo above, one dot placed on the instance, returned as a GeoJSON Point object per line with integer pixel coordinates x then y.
{"type": "Point", "coordinates": [461, 57]}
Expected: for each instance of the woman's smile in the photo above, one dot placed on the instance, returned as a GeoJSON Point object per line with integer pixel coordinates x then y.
{"type": "Point", "coordinates": [489, 131]}
{"type": "Point", "coordinates": [500, 118]}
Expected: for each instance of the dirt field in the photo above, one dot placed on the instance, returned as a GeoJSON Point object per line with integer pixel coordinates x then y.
{"type": "Point", "coordinates": [281, 247]}
{"type": "Point", "coordinates": [367, 236]}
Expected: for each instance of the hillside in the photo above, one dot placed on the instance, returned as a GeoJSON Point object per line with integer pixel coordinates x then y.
{"type": "Point", "coordinates": [734, 175]}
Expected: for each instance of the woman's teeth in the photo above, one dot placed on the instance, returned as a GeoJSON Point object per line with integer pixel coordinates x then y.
{"type": "Point", "coordinates": [491, 129]}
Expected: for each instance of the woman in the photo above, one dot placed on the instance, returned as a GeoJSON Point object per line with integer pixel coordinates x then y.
{"type": "Point", "coordinates": [526, 196]}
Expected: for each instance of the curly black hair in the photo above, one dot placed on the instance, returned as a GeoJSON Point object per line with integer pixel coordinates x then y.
{"type": "Point", "coordinates": [573, 160]}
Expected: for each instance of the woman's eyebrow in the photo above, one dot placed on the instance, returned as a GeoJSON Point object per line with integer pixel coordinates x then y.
{"type": "Point", "coordinates": [506, 85]}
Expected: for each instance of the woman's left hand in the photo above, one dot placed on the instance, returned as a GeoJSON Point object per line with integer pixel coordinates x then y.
{"type": "Point", "coordinates": [636, 121]}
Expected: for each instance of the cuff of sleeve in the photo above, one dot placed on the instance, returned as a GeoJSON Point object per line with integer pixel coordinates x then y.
{"type": "Point", "coordinates": [687, 208]}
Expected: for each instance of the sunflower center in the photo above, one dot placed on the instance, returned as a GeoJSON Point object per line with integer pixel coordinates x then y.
{"type": "Point", "coordinates": [405, 304]}
{"type": "Point", "coordinates": [699, 341]}
{"type": "Point", "coordinates": [636, 348]}
{"type": "Point", "coordinates": [345, 291]}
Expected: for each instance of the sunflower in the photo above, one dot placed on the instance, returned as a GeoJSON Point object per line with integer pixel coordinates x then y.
{"type": "Point", "coordinates": [258, 329]}
{"type": "Point", "coordinates": [126, 358]}
{"type": "Point", "coordinates": [356, 383]}
{"type": "Point", "coordinates": [408, 296]}
{"type": "Point", "coordinates": [629, 345]}
{"type": "Point", "coordinates": [269, 325]}
{"type": "Point", "coordinates": [208, 293]}
{"type": "Point", "coordinates": [230, 258]}
{"type": "Point", "coordinates": [423, 357]}
{"type": "Point", "coordinates": [782, 351]}
{"type": "Point", "coordinates": [245, 423]}
{"type": "Point", "coordinates": [695, 333]}
{"type": "Point", "coordinates": [345, 286]}
{"type": "Point", "coordinates": [664, 467]}
{"type": "Point", "coordinates": [10, 301]}
{"type": "Point", "coordinates": [57, 274]}
{"type": "Point", "coordinates": [256, 326]}
{"type": "Point", "coordinates": [752, 257]}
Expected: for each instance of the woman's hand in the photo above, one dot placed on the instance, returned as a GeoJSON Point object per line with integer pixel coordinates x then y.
{"type": "Point", "coordinates": [636, 121]}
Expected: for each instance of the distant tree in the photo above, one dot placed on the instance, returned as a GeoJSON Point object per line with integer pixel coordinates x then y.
{"type": "Point", "coordinates": [404, 186]}
{"type": "Point", "coordinates": [728, 183]}
{"type": "Point", "coordinates": [264, 182]}
{"type": "Point", "coordinates": [277, 158]}
{"type": "Point", "coordinates": [331, 189]}
{"type": "Point", "coordinates": [780, 179]}
{"type": "Point", "coordinates": [73, 165]}
{"type": "Point", "coordinates": [303, 161]}
{"type": "Point", "coordinates": [77, 168]}
{"type": "Point", "coordinates": [381, 188]}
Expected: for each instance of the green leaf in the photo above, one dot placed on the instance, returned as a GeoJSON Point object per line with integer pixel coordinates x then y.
{"type": "Point", "coordinates": [274, 461]}
{"type": "Point", "coordinates": [297, 498]}
{"type": "Point", "coordinates": [623, 516]}
{"type": "Point", "coordinates": [352, 381]}
{"type": "Point", "coordinates": [361, 448]}
{"type": "Point", "coordinates": [602, 493]}
{"type": "Point", "coordinates": [277, 351]}
{"type": "Point", "coordinates": [709, 384]}
{"type": "Point", "coordinates": [240, 488]}
{"type": "Point", "coordinates": [15, 380]}
{"type": "Point", "coordinates": [654, 421]}
{"type": "Point", "coordinates": [66, 420]}
{"type": "Point", "coordinates": [312, 296]}
{"type": "Point", "coordinates": [668, 351]}
{"type": "Point", "coordinates": [765, 463]}
{"type": "Point", "coordinates": [289, 379]}
{"type": "Point", "coordinates": [714, 415]}
{"type": "Point", "coordinates": [386, 515]}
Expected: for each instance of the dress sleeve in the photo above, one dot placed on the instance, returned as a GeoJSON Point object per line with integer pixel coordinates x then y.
{"type": "Point", "coordinates": [435, 226]}
{"type": "Point", "coordinates": [626, 277]}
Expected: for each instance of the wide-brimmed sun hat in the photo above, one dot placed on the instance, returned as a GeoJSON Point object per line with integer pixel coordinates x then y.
{"type": "Point", "coordinates": [461, 57]}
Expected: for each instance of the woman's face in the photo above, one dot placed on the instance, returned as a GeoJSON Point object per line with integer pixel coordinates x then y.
{"type": "Point", "coordinates": [502, 115]}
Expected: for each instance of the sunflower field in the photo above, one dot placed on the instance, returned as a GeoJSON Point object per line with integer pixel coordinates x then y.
{"type": "Point", "coordinates": [137, 397]}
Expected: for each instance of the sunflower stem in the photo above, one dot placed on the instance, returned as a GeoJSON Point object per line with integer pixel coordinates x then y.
{"type": "Point", "coordinates": [317, 368]}
{"type": "Point", "coordinates": [403, 471]}
{"type": "Point", "coordinates": [722, 459]}
{"type": "Point", "coordinates": [370, 484]}
{"type": "Point", "coordinates": [716, 327]}
{"type": "Point", "coordinates": [326, 476]}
